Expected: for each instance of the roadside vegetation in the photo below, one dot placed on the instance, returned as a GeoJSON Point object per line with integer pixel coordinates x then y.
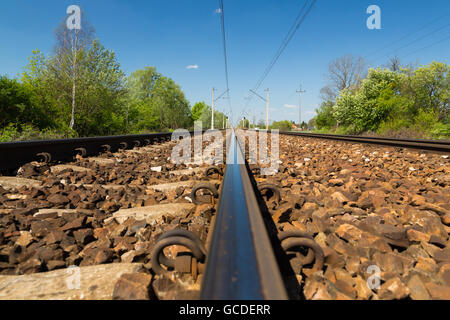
{"type": "Point", "coordinates": [79, 90]}
{"type": "Point", "coordinates": [398, 101]}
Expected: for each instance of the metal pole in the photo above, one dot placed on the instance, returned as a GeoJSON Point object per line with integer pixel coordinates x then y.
{"type": "Point", "coordinates": [212, 115]}
{"type": "Point", "coordinates": [267, 110]}
{"type": "Point", "coordinates": [300, 107]}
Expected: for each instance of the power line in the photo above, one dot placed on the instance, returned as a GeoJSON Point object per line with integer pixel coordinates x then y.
{"type": "Point", "coordinates": [297, 23]}
{"type": "Point", "coordinates": [406, 35]}
{"type": "Point", "coordinates": [222, 24]}
{"type": "Point", "coordinates": [426, 47]}
{"type": "Point", "coordinates": [293, 29]}
{"type": "Point", "coordinates": [414, 41]}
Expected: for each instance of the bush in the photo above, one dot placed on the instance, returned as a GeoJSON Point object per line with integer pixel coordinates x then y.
{"type": "Point", "coordinates": [14, 132]}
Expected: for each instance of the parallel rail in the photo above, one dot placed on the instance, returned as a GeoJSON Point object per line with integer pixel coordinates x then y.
{"type": "Point", "coordinates": [15, 154]}
{"type": "Point", "coordinates": [430, 145]}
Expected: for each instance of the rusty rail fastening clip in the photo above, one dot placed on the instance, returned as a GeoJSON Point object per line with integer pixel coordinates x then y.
{"type": "Point", "coordinates": [183, 263]}
{"type": "Point", "coordinates": [203, 186]}
{"type": "Point", "coordinates": [213, 169]}
{"type": "Point", "coordinates": [106, 147]}
{"type": "Point", "coordinates": [81, 152]}
{"type": "Point", "coordinates": [294, 239]}
{"type": "Point", "coordinates": [44, 156]}
{"type": "Point", "coordinates": [275, 190]}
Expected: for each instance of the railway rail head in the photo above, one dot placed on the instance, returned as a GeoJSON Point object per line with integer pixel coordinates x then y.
{"type": "Point", "coordinates": [241, 263]}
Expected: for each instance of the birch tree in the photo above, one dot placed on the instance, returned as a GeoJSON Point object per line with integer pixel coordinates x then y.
{"type": "Point", "coordinates": [73, 37]}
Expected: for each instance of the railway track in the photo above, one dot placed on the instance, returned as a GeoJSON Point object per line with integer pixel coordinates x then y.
{"type": "Point", "coordinates": [331, 221]}
{"type": "Point", "coordinates": [431, 145]}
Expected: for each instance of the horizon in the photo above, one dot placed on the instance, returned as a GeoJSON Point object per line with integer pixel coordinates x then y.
{"type": "Point", "coordinates": [184, 42]}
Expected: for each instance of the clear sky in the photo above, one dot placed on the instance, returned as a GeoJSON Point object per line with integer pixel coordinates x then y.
{"type": "Point", "coordinates": [172, 35]}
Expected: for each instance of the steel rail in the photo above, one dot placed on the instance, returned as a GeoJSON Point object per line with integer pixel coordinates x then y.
{"type": "Point", "coordinates": [430, 145]}
{"type": "Point", "coordinates": [241, 263]}
{"type": "Point", "coordinates": [15, 154]}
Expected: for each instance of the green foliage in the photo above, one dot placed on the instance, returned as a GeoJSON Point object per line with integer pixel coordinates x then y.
{"type": "Point", "coordinates": [39, 106]}
{"type": "Point", "coordinates": [325, 118]}
{"type": "Point", "coordinates": [155, 102]}
{"type": "Point", "coordinates": [84, 77]}
{"type": "Point", "coordinates": [389, 101]}
{"type": "Point", "coordinates": [198, 109]}
{"type": "Point", "coordinates": [205, 118]}
{"type": "Point", "coordinates": [13, 132]}
{"type": "Point", "coordinates": [283, 125]}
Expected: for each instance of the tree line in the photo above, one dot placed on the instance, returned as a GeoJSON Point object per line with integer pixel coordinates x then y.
{"type": "Point", "coordinates": [394, 100]}
{"type": "Point", "coordinates": [80, 90]}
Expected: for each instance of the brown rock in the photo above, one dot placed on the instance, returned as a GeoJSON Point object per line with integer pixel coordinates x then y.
{"type": "Point", "coordinates": [362, 289]}
{"type": "Point", "coordinates": [83, 236]}
{"type": "Point", "coordinates": [54, 236]}
{"type": "Point", "coordinates": [426, 264]}
{"type": "Point", "coordinates": [349, 232]}
{"type": "Point", "coordinates": [25, 239]}
{"type": "Point", "coordinates": [40, 228]}
{"type": "Point", "coordinates": [414, 235]}
{"type": "Point", "coordinates": [29, 266]}
{"type": "Point", "coordinates": [442, 255]}
{"type": "Point", "coordinates": [438, 241]}
{"type": "Point", "coordinates": [417, 289]}
{"type": "Point", "coordinates": [438, 292]}
{"type": "Point", "coordinates": [338, 196]}
{"type": "Point", "coordinates": [315, 290]}
{"type": "Point", "coordinates": [390, 231]}
{"type": "Point", "coordinates": [364, 203]}
{"type": "Point", "coordinates": [55, 264]}
{"type": "Point", "coordinates": [393, 289]}
{"type": "Point", "coordinates": [103, 256]}
{"type": "Point", "coordinates": [49, 253]}
{"type": "Point", "coordinates": [75, 224]}
{"type": "Point", "coordinates": [95, 283]}
{"type": "Point", "coordinates": [58, 199]}
{"type": "Point", "coordinates": [336, 182]}
{"type": "Point", "coordinates": [101, 233]}
{"type": "Point", "coordinates": [332, 258]}
{"type": "Point", "coordinates": [132, 287]}
{"type": "Point", "coordinates": [444, 273]}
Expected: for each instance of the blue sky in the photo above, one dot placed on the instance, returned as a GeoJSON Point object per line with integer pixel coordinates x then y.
{"type": "Point", "coordinates": [172, 35]}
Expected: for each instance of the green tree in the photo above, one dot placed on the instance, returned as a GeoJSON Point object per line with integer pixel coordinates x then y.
{"type": "Point", "coordinates": [99, 90]}
{"type": "Point", "coordinates": [431, 85]}
{"type": "Point", "coordinates": [283, 125]}
{"type": "Point", "coordinates": [325, 118]}
{"type": "Point", "coordinates": [156, 102]}
{"type": "Point", "coordinates": [198, 109]}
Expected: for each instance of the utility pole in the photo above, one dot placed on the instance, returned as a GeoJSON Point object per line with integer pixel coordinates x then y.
{"type": "Point", "coordinates": [212, 115]}
{"type": "Point", "coordinates": [223, 120]}
{"type": "Point", "coordinates": [267, 110]}
{"type": "Point", "coordinates": [300, 107]}
{"type": "Point", "coordinates": [267, 105]}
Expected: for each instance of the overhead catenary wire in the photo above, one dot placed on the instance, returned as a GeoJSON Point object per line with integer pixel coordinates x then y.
{"type": "Point", "coordinates": [414, 41]}
{"type": "Point", "coordinates": [428, 46]}
{"type": "Point", "coordinates": [292, 30]}
{"type": "Point", "coordinates": [406, 36]}
{"type": "Point", "coordinates": [224, 40]}
{"type": "Point", "coordinates": [298, 22]}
